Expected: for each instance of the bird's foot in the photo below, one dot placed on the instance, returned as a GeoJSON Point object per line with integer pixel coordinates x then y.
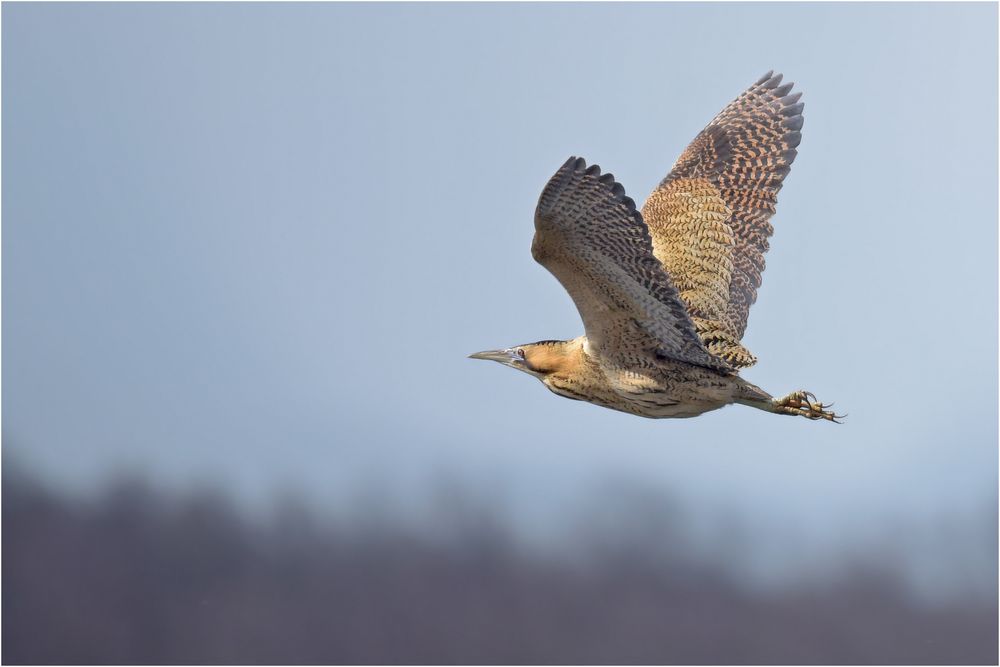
{"type": "Point", "coordinates": [804, 404]}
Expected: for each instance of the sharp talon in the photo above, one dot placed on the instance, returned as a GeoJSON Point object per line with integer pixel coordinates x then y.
{"type": "Point", "coordinates": [805, 404]}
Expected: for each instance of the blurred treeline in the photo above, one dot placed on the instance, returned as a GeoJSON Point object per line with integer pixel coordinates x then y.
{"type": "Point", "coordinates": [141, 577]}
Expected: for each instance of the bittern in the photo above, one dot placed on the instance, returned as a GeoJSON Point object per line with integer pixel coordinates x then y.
{"type": "Point", "coordinates": [664, 294]}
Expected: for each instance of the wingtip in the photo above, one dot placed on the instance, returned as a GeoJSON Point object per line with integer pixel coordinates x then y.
{"type": "Point", "coordinates": [575, 163]}
{"type": "Point", "coordinates": [764, 78]}
{"type": "Point", "coordinates": [578, 165]}
{"type": "Point", "coordinates": [791, 106]}
{"type": "Point", "coordinates": [793, 123]}
{"type": "Point", "coordinates": [791, 100]}
{"type": "Point", "coordinates": [783, 90]}
{"type": "Point", "coordinates": [772, 82]}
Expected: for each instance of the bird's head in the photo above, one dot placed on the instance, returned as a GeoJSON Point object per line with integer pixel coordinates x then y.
{"type": "Point", "coordinates": [541, 359]}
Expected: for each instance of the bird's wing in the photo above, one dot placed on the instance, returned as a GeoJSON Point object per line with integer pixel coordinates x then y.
{"type": "Point", "coordinates": [593, 240]}
{"type": "Point", "coordinates": [709, 218]}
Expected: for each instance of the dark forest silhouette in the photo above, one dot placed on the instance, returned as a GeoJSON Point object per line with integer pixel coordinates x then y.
{"type": "Point", "coordinates": [137, 577]}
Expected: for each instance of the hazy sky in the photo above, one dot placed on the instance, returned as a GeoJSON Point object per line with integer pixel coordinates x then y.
{"type": "Point", "coordinates": [252, 244]}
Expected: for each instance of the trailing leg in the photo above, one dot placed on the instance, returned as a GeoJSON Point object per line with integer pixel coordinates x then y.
{"type": "Point", "coordinates": [801, 403]}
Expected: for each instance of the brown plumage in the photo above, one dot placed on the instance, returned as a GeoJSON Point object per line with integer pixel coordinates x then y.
{"type": "Point", "coordinates": [664, 294]}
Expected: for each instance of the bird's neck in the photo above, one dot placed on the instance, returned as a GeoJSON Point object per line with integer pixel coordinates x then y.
{"type": "Point", "coordinates": [578, 375]}
{"type": "Point", "coordinates": [558, 357]}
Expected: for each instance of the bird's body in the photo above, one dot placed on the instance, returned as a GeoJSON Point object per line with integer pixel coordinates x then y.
{"type": "Point", "coordinates": [656, 388]}
{"type": "Point", "coordinates": [664, 293]}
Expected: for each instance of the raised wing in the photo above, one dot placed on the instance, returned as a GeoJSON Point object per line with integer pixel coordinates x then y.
{"type": "Point", "coordinates": [709, 218]}
{"type": "Point", "coordinates": [593, 240]}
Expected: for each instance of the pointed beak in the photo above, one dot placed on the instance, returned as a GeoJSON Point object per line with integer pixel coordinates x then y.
{"type": "Point", "coordinates": [501, 356]}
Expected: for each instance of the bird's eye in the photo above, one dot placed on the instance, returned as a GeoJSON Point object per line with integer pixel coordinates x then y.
{"type": "Point", "coordinates": [520, 352]}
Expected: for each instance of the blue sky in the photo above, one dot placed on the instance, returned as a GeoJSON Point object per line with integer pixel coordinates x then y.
{"type": "Point", "coordinates": [250, 245]}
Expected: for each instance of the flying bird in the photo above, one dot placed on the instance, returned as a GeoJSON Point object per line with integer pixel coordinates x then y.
{"type": "Point", "coordinates": [664, 293]}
